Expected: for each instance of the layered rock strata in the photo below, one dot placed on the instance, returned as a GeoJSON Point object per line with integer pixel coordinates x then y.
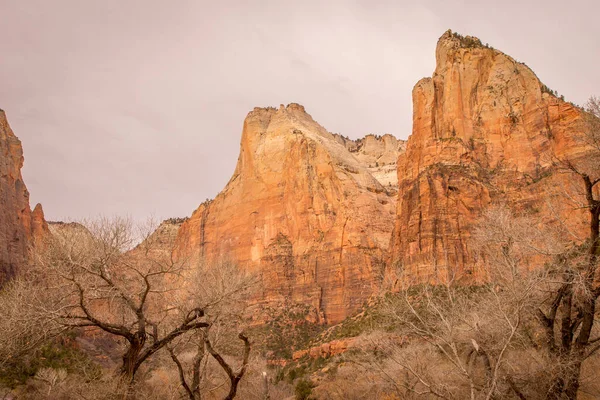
{"type": "Point", "coordinates": [485, 131]}
{"type": "Point", "coordinates": [304, 211]}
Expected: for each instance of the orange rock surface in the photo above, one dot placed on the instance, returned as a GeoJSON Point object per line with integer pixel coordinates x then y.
{"type": "Point", "coordinates": [39, 226]}
{"type": "Point", "coordinates": [304, 210]}
{"type": "Point", "coordinates": [326, 350]}
{"type": "Point", "coordinates": [485, 130]}
{"type": "Point", "coordinates": [17, 226]}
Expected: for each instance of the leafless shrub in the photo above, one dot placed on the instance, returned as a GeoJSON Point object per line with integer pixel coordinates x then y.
{"type": "Point", "coordinates": [143, 296]}
{"type": "Point", "coordinates": [224, 291]}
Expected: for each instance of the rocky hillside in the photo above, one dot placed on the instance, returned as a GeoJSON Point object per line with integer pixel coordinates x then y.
{"type": "Point", "coordinates": [485, 130]}
{"type": "Point", "coordinates": [309, 211]}
{"type": "Point", "coordinates": [18, 225]}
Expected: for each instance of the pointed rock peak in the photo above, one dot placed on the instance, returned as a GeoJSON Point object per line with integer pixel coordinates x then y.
{"type": "Point", "coordinates": [475, 56]}
{"type": "Point", "coordinates": [39, 226]}
{"type": "Point", "coordinates": [38, 211]}
{"type": "Point", "coordinates": [4, 122]}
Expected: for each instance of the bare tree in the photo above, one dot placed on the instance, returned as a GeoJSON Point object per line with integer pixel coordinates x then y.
{"type": "Point", "coordinates": [22, 307]}
{"type": "Point", "coordinates": [472, 331]}
{"type": "Point", "coordinates": [234, 377]}
{"type": "Point", "coordinates": [191, 386]}
{"type": "Point", "coordinates": [223, 290]}
{"type": "Point", "coordinates": [478, 337]}
{"type": "Point", "coordinates": [132, 293]}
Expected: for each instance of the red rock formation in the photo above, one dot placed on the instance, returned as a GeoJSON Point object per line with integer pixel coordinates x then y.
{"type": "Point", "coordinates": [39, 226]}
{"type": "Point", "coordinates": [484, 130]}
{"type": "Point", "coordinates": [326, 350]}
{"type": "Point", "coordinates": [16, 224]}
{"type": "Point", "coordinates": [302, 211]}
{"type": "Point", "coordinates": [340, 346]}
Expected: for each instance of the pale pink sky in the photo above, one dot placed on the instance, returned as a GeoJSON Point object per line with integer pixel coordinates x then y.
{"type": "Point", "coordinates": [135, 107]}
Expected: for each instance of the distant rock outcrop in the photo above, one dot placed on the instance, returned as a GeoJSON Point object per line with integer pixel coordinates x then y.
{"type": "Point", "coordinates": [309, 211]}
{"type": "Point", "coordinates": [379, 155]}
{"type": "Point", "coordinates": [17, 224]}
{"type": "Point", "coordinates": [485, 129]}
{"type": "Point", "coordinates": [161, 242]}
{"type": "Point", "coordinates": [67, 228]}
{"type": "Point", "coordinates": [39, 226]}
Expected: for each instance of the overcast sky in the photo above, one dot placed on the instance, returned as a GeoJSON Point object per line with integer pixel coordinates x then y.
{"type": "Point", "coordinates": [135, 107]}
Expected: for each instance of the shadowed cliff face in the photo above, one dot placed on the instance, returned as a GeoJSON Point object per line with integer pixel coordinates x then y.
{"type": "Point", "coordinates": [303, 211]}
{"type": "Point", "coordinates": [17, 225]}
{"type": "Point", "coordinates": [483, 132]}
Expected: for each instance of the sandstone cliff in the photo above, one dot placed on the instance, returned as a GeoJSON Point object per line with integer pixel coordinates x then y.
{"type": "Point", "coordinates": [485, 130]}
{"type": "Point", "coordinates": [304, 210]}
{"type": "Point", "coordinates": [17, 226]}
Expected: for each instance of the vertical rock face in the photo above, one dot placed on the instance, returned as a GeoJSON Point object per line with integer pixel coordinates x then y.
{"type": "Point", "coordinates": [39, 226]}
{"type": "Point", "coordinates": [309, 211]}
{"type": "Point", "coordinates": [484, 130]}
{"type": "Point", "coordinates": [16, 223]}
